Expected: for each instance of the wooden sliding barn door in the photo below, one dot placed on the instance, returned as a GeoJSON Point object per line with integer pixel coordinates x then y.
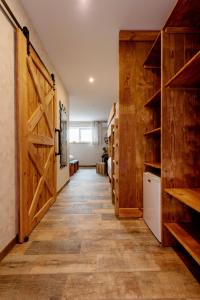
{"type": "Point", "coordinates": [36, 123]}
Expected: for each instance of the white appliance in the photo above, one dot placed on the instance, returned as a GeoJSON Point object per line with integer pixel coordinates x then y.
{"type": "Point", "coordinates": [152, 203]}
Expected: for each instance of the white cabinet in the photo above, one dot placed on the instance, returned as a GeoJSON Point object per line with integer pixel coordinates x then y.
{"type": "Point", "coordinates": [152, 203]}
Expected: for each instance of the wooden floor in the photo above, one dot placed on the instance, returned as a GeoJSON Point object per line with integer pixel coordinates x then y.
{"type": "Point", "coordinates": [81, 251]}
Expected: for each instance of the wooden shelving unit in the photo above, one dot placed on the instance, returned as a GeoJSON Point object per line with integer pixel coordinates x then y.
{"type": "Point", "coordinates": [180, 114]}
{"type": "Point", "coordinates": [156, 165]}
{"type": "Point", "coordinates": [159, 122]}
{"type": "Point", "coordinates": [188, 75]}
{"type": "Point", "coordinates": [115, 164]}
{"type": "Point", "coordinates": [113, 142]}
{"type": "Point", "coordinates": [154, 100]}
{"type": "Point", "coordinates": [187, 237]}
{"type": "Point", "coordinates": [153, 58]}
{"type": "Point", "coordinates": [153, 110]}
{"type": "Point", "coordinates": [189, 197]}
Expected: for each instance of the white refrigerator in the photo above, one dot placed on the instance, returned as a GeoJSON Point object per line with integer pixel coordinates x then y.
{"type": "Point", "coordinates": [152, 203]}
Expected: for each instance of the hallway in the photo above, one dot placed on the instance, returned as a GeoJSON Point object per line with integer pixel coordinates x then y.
{"type": "Point", "coordinates": [81, 251]}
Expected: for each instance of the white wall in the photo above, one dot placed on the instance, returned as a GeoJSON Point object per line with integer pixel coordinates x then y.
{"type": "Point", "coordinates": [8, 208]}
{"type": "Point", "coordinates": [88, 154]}
{"type": "Point", "coordinates": [8, 205]}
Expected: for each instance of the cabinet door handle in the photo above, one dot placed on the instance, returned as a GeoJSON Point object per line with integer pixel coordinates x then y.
{"type": "Point", "coordinates": [149, 180]}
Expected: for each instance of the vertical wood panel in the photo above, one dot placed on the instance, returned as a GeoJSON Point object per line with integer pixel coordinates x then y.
{"type": "Point", "coordinates": [22, 111]}
{"type": "Point", "coordinates": [136, 85]}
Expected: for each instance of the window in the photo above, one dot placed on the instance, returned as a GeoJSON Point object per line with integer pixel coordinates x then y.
{"type": "Point", "coordinates": [80, 135]}
{"type": "Point", "coordinates": [74, 135]}
{"type": "Point", "coordinates": [86, 135]}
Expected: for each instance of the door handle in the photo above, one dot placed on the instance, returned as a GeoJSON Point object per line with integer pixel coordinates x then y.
{"type": "Point", "coordinates": [59, 141]}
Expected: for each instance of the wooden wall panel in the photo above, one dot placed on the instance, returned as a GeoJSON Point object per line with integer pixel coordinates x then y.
{"type": "Point", "coordinates": [178, 49]}
{"type": "Point", "coordinates": [136, 86]}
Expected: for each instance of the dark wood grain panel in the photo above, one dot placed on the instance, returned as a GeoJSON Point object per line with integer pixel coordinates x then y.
{"type": "Point", "coordinates": [188, 75]}
{"type": "Point", "coordinates": [153, 59]}
{"type": "Point", "coordinates": [136, 86]}
{"type": "Point", "coordinates": [185, 14]}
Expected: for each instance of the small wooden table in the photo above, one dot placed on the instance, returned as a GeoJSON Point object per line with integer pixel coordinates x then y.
{"type": "Point", "coordinates": [73, 166]}
{"type": "Point", "coordinates": [101, 168]}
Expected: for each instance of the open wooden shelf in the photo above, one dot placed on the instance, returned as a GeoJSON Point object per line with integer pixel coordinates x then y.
{"type": "Point", "coordinates": [155, 131]}
{"type": "Point", "coordinates": [188, 76]}
{"type": "Point", "coordinates": [190, 197]}
{"type": "Point", "coordinates": [156, 165]}
{"type": "Point", "coordinates": [153, 60]}
{"type": "Point", "coordinates": [154, 100]}
{"type": "Point", "coordinates": [115, 145]}
{"type": "Point", "coordinates": [187, 237]}
{"type": "Point", "coordinates": [112, 114]}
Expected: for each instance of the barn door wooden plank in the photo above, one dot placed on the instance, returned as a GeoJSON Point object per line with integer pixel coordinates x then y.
{"type": "Point", "coordinates": [41, 140]}
{"type": "Point", "coordinates": [38, 113]}
{"type": "Point", "coordinates": [40, 186]}
{"type": "Point", "coordinates": [41, 96]}
{"type": "Point", "coordinates": [36, 160]}
{"type": "Point", "coordinates": [35, 118]}
{"type": "Point", "coordinates": [21, 52]}
{"type": "Point", "coordinates": [36, 123]}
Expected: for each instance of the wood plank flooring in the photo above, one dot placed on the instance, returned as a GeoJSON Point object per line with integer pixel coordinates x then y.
{"type": "Point", "coordinates": [80, 251]}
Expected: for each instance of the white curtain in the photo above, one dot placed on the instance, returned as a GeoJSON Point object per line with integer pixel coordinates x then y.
{"type": "Point", "coordinates": [95, 132]}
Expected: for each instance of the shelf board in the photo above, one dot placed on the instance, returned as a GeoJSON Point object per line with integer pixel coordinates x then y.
{"type": "Point", "coordinates": [153, 59]}
{"type": "Point", "coordinates": [187, 237]}
{"type": "Point", "coordinates": [154, 100]}
{"type": "Point", "coordinates": [156, 165]}
{"type": "Point", "coordinates": [190, 197]}
{"type": "Point", "coordinates": [188, 76]}
{"type": "Point", "coordinates": [155, 131]}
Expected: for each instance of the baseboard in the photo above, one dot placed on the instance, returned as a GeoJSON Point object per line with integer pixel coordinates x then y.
{"type": "Point", "coordinates": [87, 166]}
{"type": "Point", "coordinates": [60, 190]}
{"type": "Point", "coordinates": [8, 248]}
{"type": "Point", "coordinates": [130, 213]}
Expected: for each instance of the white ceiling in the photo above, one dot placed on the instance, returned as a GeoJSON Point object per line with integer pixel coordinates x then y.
{"type": "Point", "coordinates": [81, 39]}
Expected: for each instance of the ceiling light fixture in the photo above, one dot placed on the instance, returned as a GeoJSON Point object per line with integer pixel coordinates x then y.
{"type": "Point", "coordinates": [91, 79]}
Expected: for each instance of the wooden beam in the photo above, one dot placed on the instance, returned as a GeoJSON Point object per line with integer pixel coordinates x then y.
{"type": "Point", "coordinates": [189, 30]}
{"type": "Point", "coordinates": [131, 35]}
